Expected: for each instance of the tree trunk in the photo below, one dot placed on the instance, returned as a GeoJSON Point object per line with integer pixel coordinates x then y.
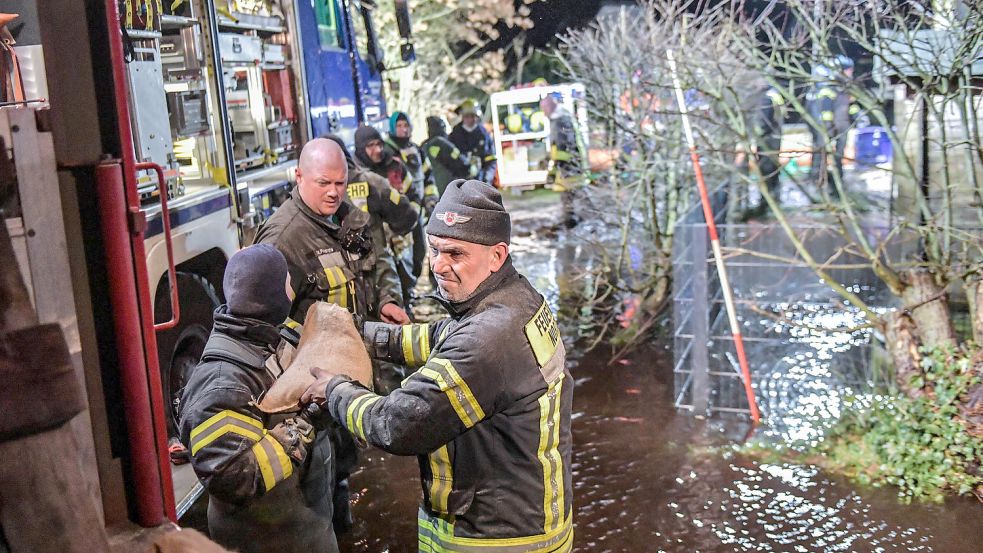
{"type": "Point", "coordinates": [974, 294]}
{"type": "Point", "coordinates": [902, 345]}
{"type": "Point", "coordinates": [928, 306]}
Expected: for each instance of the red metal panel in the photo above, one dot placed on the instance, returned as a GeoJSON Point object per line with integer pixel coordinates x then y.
{"type": "Point", "coordinates": [132, 311]}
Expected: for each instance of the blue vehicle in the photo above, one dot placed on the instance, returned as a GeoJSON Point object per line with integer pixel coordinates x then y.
{"type": "Point", "coordinates": [344, 64]}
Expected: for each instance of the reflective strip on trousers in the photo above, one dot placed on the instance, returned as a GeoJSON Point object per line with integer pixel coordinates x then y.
{"type": "Point", "coordinates": [437, 536]}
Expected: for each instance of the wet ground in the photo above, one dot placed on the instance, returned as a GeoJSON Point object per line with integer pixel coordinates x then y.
{"type": "Point", "coordinates": [643, 479]}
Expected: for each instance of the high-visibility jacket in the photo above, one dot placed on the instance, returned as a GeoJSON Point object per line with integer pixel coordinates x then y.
{"type": "Point", "coordinates": [259, 501]}
{"type": "Point", "coordinates": [488, 413]}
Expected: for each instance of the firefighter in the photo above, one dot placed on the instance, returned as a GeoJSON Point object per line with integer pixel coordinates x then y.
{"type": "Point", "coordinates": [328, 246]}
{"type": "Point", "coordinates": [446, 162]}
{"type": "Point", "coordinates": [327, 240]}
{"type": "Point", "coordinates": [387, 208]}
{"type": "Point", "coordinates": [567, 156]}
{"type": "Point", "coordinates": [400, 132]}
{"type": "Point", "coordinates": [832, 110]}
{"type": "Point", "coordinates": [473, 140]}
{"type": "Point", "coordinates": [491, 424]}
{"type": "Point", "coordinates": [269, 480]}
{"type": "Point", "coordinates": [400, 139]}
{"type": "Point", "coordinates": [767, 127]}
{"type": "Point", "coordinates": [373, 154]}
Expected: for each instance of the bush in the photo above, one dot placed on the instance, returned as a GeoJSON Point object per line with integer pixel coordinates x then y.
{"type": "Point", "coordinates": [921, 444]}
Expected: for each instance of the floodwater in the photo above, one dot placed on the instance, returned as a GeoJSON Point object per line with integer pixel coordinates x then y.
{"type": "Point", "coordinates": [643, 478]}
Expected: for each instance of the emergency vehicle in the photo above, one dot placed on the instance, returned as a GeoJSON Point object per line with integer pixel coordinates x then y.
{"type": "Point", "coordinates": [212, 101]}
{"type": "Point", "coordinates": [522, 131]}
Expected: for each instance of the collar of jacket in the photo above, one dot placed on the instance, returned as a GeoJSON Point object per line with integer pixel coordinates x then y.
{"type": "Point", "coordinates": [398, 142]}
{"type": "Point", "coordinates": [249, 341]}
{"type": "Point", "coordinates": [490, 284]}
{"type": "Point", "coordinates": [348, 217]}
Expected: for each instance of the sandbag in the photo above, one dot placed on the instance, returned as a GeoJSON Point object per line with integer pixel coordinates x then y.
{"type": "Point", "coordinates": [330, 341]}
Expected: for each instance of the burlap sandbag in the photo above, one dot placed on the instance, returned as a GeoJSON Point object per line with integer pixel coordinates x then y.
{"type": "Point", "coordinates": [330, 341]}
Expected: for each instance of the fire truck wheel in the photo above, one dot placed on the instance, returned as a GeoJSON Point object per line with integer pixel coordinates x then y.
{"type": "Point", "coordinates": [180, 348]}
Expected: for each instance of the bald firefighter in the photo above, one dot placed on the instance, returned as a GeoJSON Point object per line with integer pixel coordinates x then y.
{"type": "Point", "coordinates": [488, 409]}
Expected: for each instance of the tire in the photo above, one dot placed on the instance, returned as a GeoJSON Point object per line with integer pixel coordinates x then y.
{"type": "Point", "coordinates": [179, 349]}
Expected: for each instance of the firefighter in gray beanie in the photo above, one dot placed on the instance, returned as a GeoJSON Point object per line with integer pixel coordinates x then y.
{"type": "Point", "coordinates": [490, 385]}
{"type": "Point", "coordinates": [472, 211]}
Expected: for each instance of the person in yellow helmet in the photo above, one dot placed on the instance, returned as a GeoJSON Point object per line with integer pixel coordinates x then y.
{"type": "Point", "coordinates": [473, 140]}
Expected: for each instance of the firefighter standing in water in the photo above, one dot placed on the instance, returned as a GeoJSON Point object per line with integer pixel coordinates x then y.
{"type": "Point", "coordinates": [490, 424]}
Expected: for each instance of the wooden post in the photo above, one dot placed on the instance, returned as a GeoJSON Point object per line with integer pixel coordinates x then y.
{"type": "Point", "coordinates": [44, 503]}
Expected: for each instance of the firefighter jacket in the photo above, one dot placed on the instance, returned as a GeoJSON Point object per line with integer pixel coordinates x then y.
{"type": "Point", "coordinates": [330, 259]}
{"type": "Point", "coordinates": [566, 150]}
{"type": "Point", "coordinates": [418, 166]}
{"type": "Point", "coordinates": [446, 164]}
{"type": "Point", "coordinates": [260, 499]}
{"type": "Point", "coordinates": [488, 413]}
{"type": "Point", "coordinates": [478, 145]}
{"type": "Point", "coordinates": [385, 206]}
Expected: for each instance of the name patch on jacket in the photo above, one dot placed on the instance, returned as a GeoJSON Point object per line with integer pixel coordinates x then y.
{"type": "Point", "coordinates": [543, 334]}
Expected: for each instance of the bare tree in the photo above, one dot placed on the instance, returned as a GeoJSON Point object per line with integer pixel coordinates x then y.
{"type": "Point", "coordinates": [621, 60]}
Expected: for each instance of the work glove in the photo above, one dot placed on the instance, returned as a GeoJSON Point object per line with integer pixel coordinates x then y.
{"type": "Point", "coordinates": [295, 435]}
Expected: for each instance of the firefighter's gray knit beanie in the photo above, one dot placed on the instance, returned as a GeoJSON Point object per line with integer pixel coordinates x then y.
{"type": "Point", "coordinates": [255, 284]}
{"type": "Point", "coordinates": [471, 211]}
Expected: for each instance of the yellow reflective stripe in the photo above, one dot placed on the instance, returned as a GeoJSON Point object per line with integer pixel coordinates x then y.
{"type": "Point", "coordinates": [434, 151]}
{"type": "Point", "coordinates": [443, 479]}
{"type": "Point", "coordinates": [290, 323]}
{"type": "Point", "coordinates": [430, 190]}
{"type": "Point", "coordinates": [223, 423]}
{"type": "Point", "coordinates": [353, 406]}
{"type": "Point", "coordinates": [457, 390]}
{"type": "Point", "coordinates": [439, 537]}
{"type": "Point", "coordinates": [827, 115]}
{"type": "Point", "coordinates": [273, 462]}
{"type": "Point", "coordinates": [359, 429]}
{"type": "Point", "coordinates": [423, 340]}
{"type": "Point", "coordinates": [827, 93]}
{"type": "Point", "coordinates": [332, 278]}
{"type": "Point", "coordinates": [549, 455]}
{"type": "Point", "coordinates": [455, 153]}
{"type": "Point", "coordinates": [394, 196]}
{"type": "Point", "coordinates": [407, 181]}
{"type": "Point", "coordinates": [415, 341]}
{"type": "Point", "coordinates": [406, 338]}
{"type": "Point", "coordinates": [444, 386]}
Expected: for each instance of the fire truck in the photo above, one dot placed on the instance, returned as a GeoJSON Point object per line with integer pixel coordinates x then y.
{"type": "Point", "coordinates": [170, 130]}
